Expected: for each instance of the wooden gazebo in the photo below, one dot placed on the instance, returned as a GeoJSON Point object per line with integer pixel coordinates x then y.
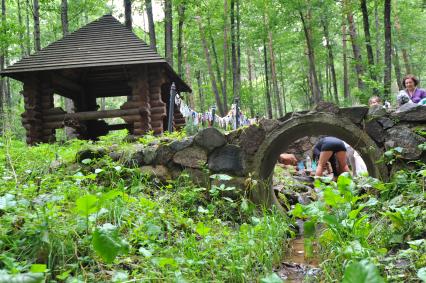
{"type": "Point", "coordinates": [102, 59]}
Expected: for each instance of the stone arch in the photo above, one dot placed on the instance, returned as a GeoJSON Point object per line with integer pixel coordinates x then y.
{"type": "Point", "coordinates": [289, 131]}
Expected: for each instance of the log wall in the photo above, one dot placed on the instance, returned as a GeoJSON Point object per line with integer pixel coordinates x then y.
{"type": "Point", "coordinates": [158, 108]}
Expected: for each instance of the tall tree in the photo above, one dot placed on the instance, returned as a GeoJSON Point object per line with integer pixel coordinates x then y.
{"type": "Point", "coordinates": [274, 75]}
{"type": "Point", "coordinates": [200, 91]}
{"type": "Point", "coordinates": [21, 36]}
{"type": "Point", "coordinates": [2, 59]}
{"type": "Point", "coordinates": [36, 14]}
{"type": "Point", "coordinates": [27, 27]}
{"type": "Point", "coordinates": [377, 25]}
{"type": "Point", "coordinates": [234, 49]}
{"type": "Point", "coordinates": [405, 57]}
{"type": "Point", "coordinates": [388, 49]}
{"type": "Point", "coordinates": [355, 48]}
{"type": "Point", "coordinates": [151, 26]}
{"type": "Point", "coordinates": [225, 52]}
{"type": "Point", "coordinates": [168, 31]}
{"type": "Point", "coordinates": [64, 17]}
{"type": "Point", "coordinates": [397, 66]}
{"type": "Point", "coordinates": [268, 94]}
{"type": "Point", "coordinates": [370, 56]}
{"type": "Point", "coordinates": [217, 67]}
{"type": "Point", "coordinates": [181, 18]}
{"type": "Point", "coordinates": [346, 93]}
{"type": "Point", "coordinates": [128, 14]}
{"type": "Point", "coordinates": [311, 56]}
{"type": "Point", "coordinates": [209, 66]}
{"type": "Point", "coordinates": [330, 58]}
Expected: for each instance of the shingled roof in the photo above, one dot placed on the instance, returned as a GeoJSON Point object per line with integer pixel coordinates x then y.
{"type": "Point", "coordinates": [103, 42]}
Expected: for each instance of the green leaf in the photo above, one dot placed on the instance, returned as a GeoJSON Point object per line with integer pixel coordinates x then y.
{"type": "Point", "coordinates": [271, 278]}
{"type": "Point", "coordinates": [86, 161]}
{"type": "Point", "coordinates": [7, 201]}
{"type": "Point", "coordinates": [421, 273]}
{"type": "Point", "coordinates": [167, 261]}
{"type": "Point", "coordinates": [107, 243]}
{"type": "Point", "coordinates": [87, 205]}
{"type": "Point", "coordinates": [22, 278]}
{"type": "Point", "coordinates": [145, 252]}
{"type": "Point", "coordinates": [221, 177]}
{"type": "Point", "coordinates": [298, 211]}
{"type": "Point", "coordinates": [309, 229]}
{"type": "Point", "coordinates": [202, 230]}
{"type": "Point", "coordinates": [38, 268]}
{"type": "Point", "coordinates": [362, 272]}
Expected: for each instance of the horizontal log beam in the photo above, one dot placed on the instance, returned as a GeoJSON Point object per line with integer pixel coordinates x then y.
{"type": "Point", "coordinates": [93, 115]}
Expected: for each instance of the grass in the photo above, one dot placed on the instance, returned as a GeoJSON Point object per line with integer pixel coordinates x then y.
{"type": "Point", "coordinates": [101, 221]}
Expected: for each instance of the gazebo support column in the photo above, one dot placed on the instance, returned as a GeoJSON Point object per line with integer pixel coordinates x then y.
{"type": "Point", "coordinates": [158, 107]}
{"type": "Point", "coordinates": [178, 119]}
{"type": "Point", "coordinates": [46, 92]}
{"type": "Point", "coordinates": [139, 99]}
{"type": "Point", "coordinates": [32, 116]}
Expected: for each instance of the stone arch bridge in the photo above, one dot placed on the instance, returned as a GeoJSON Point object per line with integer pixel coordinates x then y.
{"type": "Point", "coordinates": [253, 151]}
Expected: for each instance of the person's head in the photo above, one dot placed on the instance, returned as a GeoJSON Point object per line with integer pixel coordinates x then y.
{"type": "Point", "coordinates": [410, 82]}
{"type": "Point", "coordinates": [374, 100]}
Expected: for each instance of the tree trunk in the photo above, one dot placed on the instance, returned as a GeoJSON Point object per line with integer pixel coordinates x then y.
{"type": "Point", "coordinates": [21, 36]}
{"type": "Point", "coordinates": [250, 79]}
{"type": "Point", "coordinates": [370, 57]}
{"type": "Point", "coordinates": [274, 76]}
{"type": "Point", "coordinates": [234, 52]}
{"type": "Point", "coordinates": [405, 56]}
{"type": "Point", "coordinates": [128, 14]}
{"type": "Point", "coordinates": [27, 26]}
{"type": "Point", "coordinates": [282, 84]}
{"type": "Point", "coordinates": [397, 66]}
{"type": "Point", "coordinates": [346, 93]}
{"type": "Point", "coordinates": [225, 53]}
{"type": "Point", "coordinates": [2, 61]}
{"type": "Point", "coordinates": [37, 44]}
{"type": "Point", "coordinates": [388, 49]}
{"type": "Point", "coordinates": [377, 24]}
{"type": "Point", "coordinates": [330, 59]}
{"type": "Point", "coordinates": [168, 31]}
{"type": "Point", "coordinates": [238, 49]}
{"type": "Point", "coordinates": [311, 58]}
{"type": "Point", "coordinates": [200, 91]}
{"type": "Point", "coordinates": [152, 38]}
{"type": "Point", "coordinates": [268, 95]}
{"type": "Point", "coordinates": [356, 51]}
{"type": "Point", "coordinates": [181, 16]}
{"type": "Point", "coordinates": [209, 66]}
{"type": "Point", "coordinates": [64, 17]}
{"type": "Point", "coordinates": [217, 67]}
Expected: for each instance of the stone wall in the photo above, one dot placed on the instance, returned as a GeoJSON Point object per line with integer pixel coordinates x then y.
{"type": "Point", "coordinates": [251, 152]}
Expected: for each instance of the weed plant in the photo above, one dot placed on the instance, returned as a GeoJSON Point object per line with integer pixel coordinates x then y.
{"type": "Point", "coordinates": [99, 221]}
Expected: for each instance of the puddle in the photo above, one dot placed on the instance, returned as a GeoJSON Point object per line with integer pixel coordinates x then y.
{"type": "Point", "coordinates": [296, 267]}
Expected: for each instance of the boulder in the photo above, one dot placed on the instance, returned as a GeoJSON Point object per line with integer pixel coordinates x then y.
{"type": "Point", "coordinates": [161, 172]}
{"type": "Point", "coordinates": [385, 122]}
{"type": "Point", "coordinates": [411, 113]}
{"type": "Point", "coordinates": [149, 154]}
{"type": "Point", "coordinates": [251, 138]}
{"type": "Point", "coordinates": [375, 130]}
{"type": "Point", "coordinates": [181, 144]}
{"type": "Point", "coordinates": [193, 157]}
{"type": "Point", "coordinates": [268, 124]}
{"type": "Point", "coordinates": [209, 138]}
{"type": "Point", "coordinates": [376, 111]}
{"type": "Point", "coordinates": [400, 136]}
{"type": "Point", "coordinates": [324, 106]}
{"type": "Point", "coordinates": [228, 159]}
{"type": "Point", "coordinates": [355, 114]}
{"type": "Point", "coordinates": [164, 155]}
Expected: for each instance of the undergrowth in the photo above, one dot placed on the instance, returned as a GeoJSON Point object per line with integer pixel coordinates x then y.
{"type": "Point", "coordinates": [98, 221]}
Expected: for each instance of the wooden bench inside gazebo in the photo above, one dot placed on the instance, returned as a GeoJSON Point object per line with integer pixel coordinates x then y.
{"type": "Point", "coordinates": [102, 59]}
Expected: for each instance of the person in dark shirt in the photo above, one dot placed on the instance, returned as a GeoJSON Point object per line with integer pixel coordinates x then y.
{"type": "Point", "coordinates": [330, 149]}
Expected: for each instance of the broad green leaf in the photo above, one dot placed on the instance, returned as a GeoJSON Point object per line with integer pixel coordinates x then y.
{"type": "Point", "coordinates": [298, 211]}
{"type": "Point", "coordinates": [271, 278]}
{"type": "Point", "coordinates": [38, 268]}
{"type": "Point", "coordinates": [22, 278]}
{"type": "Point", "coordinates": [107, 243]}
{"type": "Point", "coordinates": [167, 261]}
{"type": "Point", "coordinates": [7, 201]}
{"type": "Point", "coordinates": [362, 272]}
{"type": "Point", "coordinates": [145, 252]}
{"type": "Point", "coordinates": [87, 205]}
{"type": "Point", "coordinates": [86, 161]}
{"type": "Point", "coordinates": [202, 229]}
{"type": "Point", "coordinates": [421, 273]}
{"type": "Point", "coordinates": [309, 229]}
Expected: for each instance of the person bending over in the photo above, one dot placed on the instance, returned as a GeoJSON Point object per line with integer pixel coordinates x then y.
{"type": "Point", "coordinates": [330, 149]}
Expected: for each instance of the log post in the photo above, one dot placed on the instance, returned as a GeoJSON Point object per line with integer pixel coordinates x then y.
{"type": "Point", "coordinates": [32, 116]}
{"type": "Point", "coordinates": [156, 80]}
